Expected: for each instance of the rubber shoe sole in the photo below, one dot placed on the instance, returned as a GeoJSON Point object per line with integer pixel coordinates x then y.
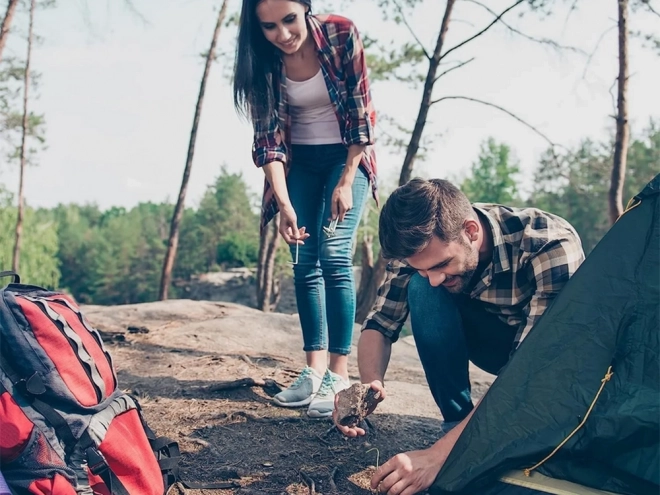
{"type": "Point", "coordinates": [313, 413]}
{"type": "Point", "coordinates": [300, 403]}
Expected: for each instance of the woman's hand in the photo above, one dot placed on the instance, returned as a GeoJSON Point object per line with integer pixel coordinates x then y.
{"type": "Point", "coordinates": [289, 226]}
{"type": "Point", "coordinates": [342, 201]}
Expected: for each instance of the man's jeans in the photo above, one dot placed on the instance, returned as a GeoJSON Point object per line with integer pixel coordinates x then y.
{"type": "Point", "coordinates": [323, 277]}
{"type": "Point", "coordinates": [450, 329]}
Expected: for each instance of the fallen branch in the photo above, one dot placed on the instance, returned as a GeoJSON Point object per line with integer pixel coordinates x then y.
{"type": "Point", "coordinates": [309, 482]}
{"type": "Point", "coordinates": [333, 486]}
{"type": "Point", "coordinates": [257, 419]}
{"type": "Point", "coordinates": [242, 383]}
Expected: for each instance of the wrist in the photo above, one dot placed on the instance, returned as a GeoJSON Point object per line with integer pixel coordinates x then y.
{"type": "Point", "coordinates": [284, 204]}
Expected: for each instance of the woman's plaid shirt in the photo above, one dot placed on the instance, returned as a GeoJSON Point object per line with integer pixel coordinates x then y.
{"type": "Point", "coordinates": [534, 254]}
{"type": "Point", "coordinates": [342, 59]}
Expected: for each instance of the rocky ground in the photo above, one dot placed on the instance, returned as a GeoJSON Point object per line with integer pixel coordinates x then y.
{"type": "Point", "coordinates": [204, 372]}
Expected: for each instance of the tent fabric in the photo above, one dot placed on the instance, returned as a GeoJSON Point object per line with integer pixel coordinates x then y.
{"type": "Point", "coordinates": [607, 315]}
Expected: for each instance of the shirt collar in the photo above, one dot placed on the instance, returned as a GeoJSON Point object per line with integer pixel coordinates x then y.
{"type": "Point", "coordinates": [500, 262]}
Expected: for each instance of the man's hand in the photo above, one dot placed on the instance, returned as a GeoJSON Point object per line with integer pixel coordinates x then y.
{"type": "Point", "coordinates": [356, 431]}
{"type": "Point", "coordinates": [410, 472]}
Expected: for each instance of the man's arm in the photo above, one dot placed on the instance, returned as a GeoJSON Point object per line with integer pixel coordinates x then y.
{"type": "Point", "coordinates": [415, 471]}
{"type": "Point", "coordinates": [551, 269]}
{"type": "Point", "coordinates": [391, 307]}
{"type": "Point", "coordinates": [374, 351]}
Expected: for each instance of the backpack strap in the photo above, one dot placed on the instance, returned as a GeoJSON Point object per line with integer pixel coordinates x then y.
{"type": "Point", "coordinates": [98, 466]}
{"type": "Point", "coordinates": [30, 389]}
{"type": "Point", "coordinates": [17, 279]}
{"type": "Point", "coordinates": [168, 456]}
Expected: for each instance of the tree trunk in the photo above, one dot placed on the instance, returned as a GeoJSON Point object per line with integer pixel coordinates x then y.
{"type": "Point", "coordinates": [6, 24]}
{"type": "Point", "coordinates": [24, 131]}
{"type": "Point", "coordinates": [268, 287]}
{"type": "Point", "coordinates": [622, 129]}
{"type": "Point", "coordinates": [427, 97]}
{"type": "Point", "coordinates": [367, 293]}
{"type": "Point", "coordinates": [173, 241]}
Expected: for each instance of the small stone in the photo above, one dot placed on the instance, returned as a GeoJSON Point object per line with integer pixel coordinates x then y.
{"type": "Point", "coordinates": [355, 403]}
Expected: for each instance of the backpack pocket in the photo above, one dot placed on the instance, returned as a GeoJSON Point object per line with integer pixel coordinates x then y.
{"type": "Point", "coordinates": [120, 453]}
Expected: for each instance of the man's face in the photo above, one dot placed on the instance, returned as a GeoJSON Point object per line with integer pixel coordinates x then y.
{"type": "Point", "coordinates": [451, 265]}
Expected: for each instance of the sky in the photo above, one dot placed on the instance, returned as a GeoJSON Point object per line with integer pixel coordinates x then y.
{"type": "Point", "coordinates": [118, 91]}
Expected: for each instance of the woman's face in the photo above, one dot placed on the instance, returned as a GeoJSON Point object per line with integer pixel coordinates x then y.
{"type": "Point", "coordinates": [283, 24]}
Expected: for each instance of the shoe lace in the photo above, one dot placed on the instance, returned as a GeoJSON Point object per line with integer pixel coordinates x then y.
{"type": "Point", "coordinates": [327, 385]}
{"type": "Point", "coordinates": [301, 378]}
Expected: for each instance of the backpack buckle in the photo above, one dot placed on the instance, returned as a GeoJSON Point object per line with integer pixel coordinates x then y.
{"type": "Point", "coordinates": [96, 463]}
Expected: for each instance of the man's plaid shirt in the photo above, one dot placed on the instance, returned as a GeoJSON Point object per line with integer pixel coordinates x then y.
{"type": "Point", "coordinates": [343, 63]}
{"type": "Point", "coordinates": [534, 254]}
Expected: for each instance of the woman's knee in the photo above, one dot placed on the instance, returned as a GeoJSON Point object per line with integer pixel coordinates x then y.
{"type": "Point", "coordinates": [334, 255]}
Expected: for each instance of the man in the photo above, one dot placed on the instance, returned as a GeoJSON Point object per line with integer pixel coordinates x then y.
{"type": "Point", "coordinates": [474, 279]}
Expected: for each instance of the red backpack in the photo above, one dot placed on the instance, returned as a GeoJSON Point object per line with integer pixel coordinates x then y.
{"type": "Point", "coordinates": [66, 428]}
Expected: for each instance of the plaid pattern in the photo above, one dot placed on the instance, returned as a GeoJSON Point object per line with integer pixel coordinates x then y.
{"type": "Point", "coordinates": [534, 254]}
{"type": "Point", "coordinates": [342, 59]}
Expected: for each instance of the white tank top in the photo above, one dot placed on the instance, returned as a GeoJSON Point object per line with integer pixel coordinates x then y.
{"type": "Point", "coordinates": [313, 118]}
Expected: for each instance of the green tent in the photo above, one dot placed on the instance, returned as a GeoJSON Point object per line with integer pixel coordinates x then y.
{"type": "Point", "coordinates": [608, 315]}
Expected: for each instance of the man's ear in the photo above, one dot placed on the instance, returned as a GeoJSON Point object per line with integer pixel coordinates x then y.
{"type": "Point", "coordinates": [472, 229]}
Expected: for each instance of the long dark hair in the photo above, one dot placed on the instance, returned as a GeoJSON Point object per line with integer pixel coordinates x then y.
{"type": "Point", "coordinates": [254, 94]}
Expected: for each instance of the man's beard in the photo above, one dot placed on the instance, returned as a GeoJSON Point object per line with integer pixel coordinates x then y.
{"type": "Point", "coordinates": [464, 278]}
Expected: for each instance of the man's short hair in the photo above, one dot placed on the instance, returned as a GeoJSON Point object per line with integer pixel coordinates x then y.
{"type": "Point", "coordinates": [417, 211]}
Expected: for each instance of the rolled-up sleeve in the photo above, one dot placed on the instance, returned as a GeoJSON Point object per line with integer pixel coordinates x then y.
{"type": "Point", "coordinates": [551, 269]}
{"type": "Point", "coordinates": [391, 307]}
{"type": "Point", "coordinates": [268, 145]}
{"type": "Point", "coordinates": [359, 125]}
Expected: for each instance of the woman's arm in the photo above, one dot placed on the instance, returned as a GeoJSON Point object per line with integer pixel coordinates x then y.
{"type": "Point", "coordinates": [288, 220]}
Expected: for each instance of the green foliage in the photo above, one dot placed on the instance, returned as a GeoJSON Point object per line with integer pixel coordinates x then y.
{"type": "Point", "coordinates": [576, 186]}
{"type": "Point", "coordinates": [226, 217]}
{"type": "Point", "coordinates": [39, 263]}
{"type": "Point", "coordinates": [115, 256]}
{"type": "Point", "coordinates": [237, 250]}
{"type": "Point", "coordinates": [11, 111]}
{"type": "Point", "coordinates": [493, 177]}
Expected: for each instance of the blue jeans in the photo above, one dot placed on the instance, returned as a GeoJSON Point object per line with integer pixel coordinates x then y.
{"type": "Point", "coordinates": [450, 330]}
{"type": "Point", "coordinates": [323, 277]}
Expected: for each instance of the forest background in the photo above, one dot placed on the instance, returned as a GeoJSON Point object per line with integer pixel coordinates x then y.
{"type": "Point", "coordinates": [552, 104]}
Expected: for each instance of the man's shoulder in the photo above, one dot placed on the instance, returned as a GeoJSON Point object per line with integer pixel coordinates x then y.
{"type": "Point", "coordinates": [530, 228]}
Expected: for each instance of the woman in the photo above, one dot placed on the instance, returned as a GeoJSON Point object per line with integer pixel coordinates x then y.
{"type": "Point", "coordinates": [302, 80]}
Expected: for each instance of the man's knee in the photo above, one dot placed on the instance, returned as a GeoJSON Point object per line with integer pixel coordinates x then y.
{"type": "Point", "coordinates": [431, 308]}
{"type": "Point", "coordinates": [422, 296]}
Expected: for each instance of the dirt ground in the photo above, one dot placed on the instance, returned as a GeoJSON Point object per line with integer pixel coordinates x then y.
{"type": "Point", "coordinates": [182, 359]}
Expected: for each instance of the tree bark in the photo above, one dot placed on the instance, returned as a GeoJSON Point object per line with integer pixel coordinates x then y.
{"type": "Point", "coordinates": [6, 24]}
{"type": "Point", "coordinates": [16, 258]}
{"type": "Point", "coordinates": [622, 128]}
{"type": "Point", "coordinates": [372, 279]}
{"type": "Point", "coordinates": [173, 241]}
{"type": "Point", "coordinates": [268, 288]}
{"type": "Point", "coordinates": [427, 98]}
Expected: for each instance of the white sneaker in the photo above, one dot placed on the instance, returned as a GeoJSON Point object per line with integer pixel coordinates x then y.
{"type": "Point", "coordinates": [300, 393]}
{"type": "Point", "coordinates": [323, 402]}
